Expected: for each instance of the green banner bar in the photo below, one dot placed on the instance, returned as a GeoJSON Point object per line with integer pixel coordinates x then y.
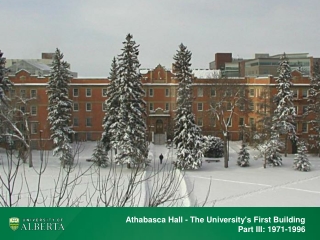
{"type": "Point", "coordinates": [159, 223]}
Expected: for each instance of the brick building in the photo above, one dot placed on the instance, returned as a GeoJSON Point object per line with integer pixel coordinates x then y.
{"type": "Point", "coordinates": [89, 95]}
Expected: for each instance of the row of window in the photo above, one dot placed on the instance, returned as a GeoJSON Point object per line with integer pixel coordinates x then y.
{"type": "Point", "coordinates": [105, 92]}
{"type": "Point", "coordinates": [34, 109]}
{"type": "Point", "coordinates": [304, 125]}
{"type": "Point", "coordinates": [227, 93]}
{"type": "Point", "coordinates": [88, 122]}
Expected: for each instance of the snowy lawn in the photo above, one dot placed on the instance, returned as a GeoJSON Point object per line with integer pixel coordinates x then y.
{"type": "Point", "coordinates": [233, 186]}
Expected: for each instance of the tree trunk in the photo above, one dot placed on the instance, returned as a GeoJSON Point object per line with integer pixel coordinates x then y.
{"type": "Point", "coordinates": [265, 161]}
{"type": "Point", "coordinates": [286, 146]}
{"type": "Point", "coordinates": [30, 156]}
{"type": "Point", "coordinates": [226, 154]}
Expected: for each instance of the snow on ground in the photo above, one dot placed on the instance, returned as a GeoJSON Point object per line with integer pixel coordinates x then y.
{"type": "Point", "coordinates": [232, 186]}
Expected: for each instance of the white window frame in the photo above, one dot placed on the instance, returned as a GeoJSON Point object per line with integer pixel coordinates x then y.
{"type": "Point", "coordinates": [23, 93]}
{"type": "Point", "coordinates": [215, 93]}
{"type": "Point", "coordinates": [76, 125]}
{"type": "Point", "coordinates": [151, 92]}
{"type": "Point", "coordinates": [242, 121]}
{"type": "Point", "coordinates": [304, 109]}
{"type": "Point", "coordinates": [88, 92]}
{"type": "Point", "coordinates": [104, 92]}
{"type": "Point", "coordinates": [88, 109]}
{"type": "Point", "coordinates": [73, 92]}
{"type": "Point", "coordinates": [33, 110]}
{"type": "Point", "coordinates": [89, 125]}
{"type": "Point", "coordinates": [167, 92]}
{"type": "Point", "coordinates": [104, 107]}
{"type": "Point", "coordinates": [250, 93]}
{"type": "Point", "coordinates": [302, 128]}
{"type": "Point", "coordinates": [252, 123]}
{"type": "Point", "coordinates": [75, 104]}
{"type": "Point", "coordinates": [167, 106]}
{"type": "Point", "coordinates": [34, 128]}
{"type": "Point", "coordinates": [230, 124]}
{"type": "Point", "coordinates": [304, 90]}
{"type": "Point", "coordinates": [33, 91]}
{"type": "Point", "coordinates": [201, 108]}
{"type": "Point", "coordinates": [200, 122]}
{"type": "Point", "coordinates": [151, 107]}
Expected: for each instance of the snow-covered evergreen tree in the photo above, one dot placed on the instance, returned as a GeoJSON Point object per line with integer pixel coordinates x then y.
{"type": "Point", "coordinates": [314, 107]}
{"type": "Point", "coordinates": [112, 106]}
{"type": "Point", "coordinates": [187, 135]}
{"type": "Point", "coordinates": [284, 114]}
{"type": "Point", "coordinates": [301, 161]}
{"type": "Point", "coordinates": [244, 156]}
{"type": "Point", "coordinates": [99, 156]}
{"type": "Point", "coordinates": [60, 108]}
{"type": "Point", "coordinates": [212, 146]}
{"type": "Point", "coordinates": [129, 131]}
{"type": "Point", "coordinates": [5, 83]}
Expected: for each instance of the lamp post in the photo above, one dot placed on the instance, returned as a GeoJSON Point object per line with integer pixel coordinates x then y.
{"type": "Point", "coordinates": [228, 138]}
{"type": "Point", "coordinates": [41, 156]}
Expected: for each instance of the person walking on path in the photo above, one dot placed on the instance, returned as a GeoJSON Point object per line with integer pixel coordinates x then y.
{"type": "Point", "coordinates": [161, 158]}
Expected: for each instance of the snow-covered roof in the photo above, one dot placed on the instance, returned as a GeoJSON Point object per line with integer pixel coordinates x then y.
{"type": "Point", "coordinates": [206, 73]}
{"type": "Point", "coordinates": [38, 65]}
{"type": "Point", "coordinates": [144, 71]}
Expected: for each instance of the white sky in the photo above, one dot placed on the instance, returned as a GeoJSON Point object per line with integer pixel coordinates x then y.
{"type": "Point", "coordinates": [90, 33]}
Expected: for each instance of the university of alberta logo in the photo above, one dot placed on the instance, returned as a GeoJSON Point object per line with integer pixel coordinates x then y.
{"type": "Point", "coordinates": [14, 223]}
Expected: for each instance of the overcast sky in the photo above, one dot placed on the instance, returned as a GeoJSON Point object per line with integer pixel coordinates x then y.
{"type": "Point", "coordinates": [90, 32]}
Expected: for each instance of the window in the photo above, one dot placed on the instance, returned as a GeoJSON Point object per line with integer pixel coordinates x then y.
{"type": "Point", "coordinates": [33, 110]}
{"type": "Point", "coordinates": [34, 128]}
{"type": "Point", "coordinates": [23, 93]}
{"type": "Point", "coordinates": [213, 92]}
{"type": "Point", "coordinates": [251, 92]}
{"type": "Point", "coordinates": [229, 122]}
{"type": "Point", "coordinates": [304, 127]}
{"type": "Point", "coordinates": [23, 109]}
{"type": "Point", "coordinates": [88, 92]}
{"type": "Point", "coordinates": [251, 106]}
{"type": "Point", "coordinates": [241, 121]}
{"type": "Point", "coordinates": [296, 109]}
{"type": "Point", "coordinates": [304, 109]}
{"type": "Point", "coordinates": [167, 92]}
{"type": "Point", "coordinates": [75, 122]}
{"type": "Point", "coordinates": [251, 122]}
{"type": "Point", "coordinates": [241, 106]}
{"type": "Point", "coordinates": [167, 106]}
{"type": "Point", "coordinates": [104, 92]}
{"type": "Point", "coordinates": [88, 107]}
{"type": "Point", "coordinates": [200, 106]}
{"type": "Point", "coordinates": [89, 122]}
{"type": "Point", "coordinates": [75, 106]}
{"type": "Point", "coordinates": [33, 93]}
{"type": "Point", "coordinates": [76, 92]}
{"type": "Point", "coordinates": [229, 106]}
{"type": "Point", "coordinates": [295, 93]}
{"type": "Point", "coordinates": [200, 92]}
{"type": "Point", "coordinates": [151, 106]}
{"type": "Point", "coordinates": [200, 122]}
{"type": "Point", "coordinates": [150, 92]}
{"type": "Point", "coordinates": [304, 93]}
{"type": "Point", "coordinates": [104, 107]}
